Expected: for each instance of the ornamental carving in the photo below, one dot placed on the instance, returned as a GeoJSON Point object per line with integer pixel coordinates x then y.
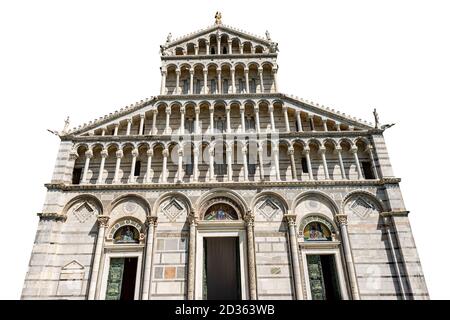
{"type": "Point", "coordinates": [269, 208]}
{"type": "Point", "coordinates": [173, 209]}
{"type": "Point", "coordinates": [362, 207]}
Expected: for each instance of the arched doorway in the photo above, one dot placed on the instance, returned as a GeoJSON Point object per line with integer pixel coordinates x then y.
{"type": "Point", "coordinates": [221, 257]}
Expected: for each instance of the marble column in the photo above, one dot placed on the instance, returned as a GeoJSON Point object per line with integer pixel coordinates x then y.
{"type": "Point", "coordinates": [154, 128]}
{"type": "Point", "coordinates": [102, 222]}
{"type": "Point", "coordinates": [275, 151]}
{"type": "Point", "coordinates": [148, 175]}
{"type": "Point", "coordinates": [354, 151]}
{"type": "Point", "coordinates": [306, 152]}
{"type": "Point", "coordinates": [196, 50]}
{"type": "Point", "coordinates": [242, 111]}
{"type": "Point", "coordinates": [211, 119]}
{"type": "Point", "coordinates": [261, 163]}
{"type": "Point", "coordinates": [134, 155]}
{"type": "Point", "coordinates": [230, 48]}
{"type": "Point", "coordinates": [325, 126]}
{"type": "Point", "coordinates": [177, 82]}
{"type": "Point", "coordinates": [205, 81]}
{"type": "Point", "coordinates": [191, 81]}
{"type": "Point", "coordinates": [103, 132]}
{"type": "Point", "coordinates": [116, 129]}
{"type": "Point", "coordinates": [272, 120]}
{"type": "Point", "coordinates": [247, 84]}
{"type": "Point", "coordinates": [293, 167]}
{"type": "Point", "coordinates": [341, 220]}
{"type": "Point", "coordinates": [165, 154]}
{"type": "Point", "coordinates": [197, 120]}
{"type": "Point", "coordinates": [250, 222]}
{"type": "Point", "coordinates": [219, 80]}
{"type": "Point", "coordinates": [290, 219]}
{"type": "Point", "coordinates": [261, 80]}
{"type": "Point", "coordinates": [191, 254]}
{"type": "Point", "coordinates": [141, 124]}
{"type": "Point", "coordinates": [104, 155]}
{"type": "Point", "coordinates": [207, 47]}
{"type": "Point", "coordinates": [151, 224]}
{"type": "Point", "coordinates": [229, 162]}
{"type": "Point", "coordinates": [129, 122]}
{"type": "Point", "coordinates": [167, 129]}
{"type": "Point", "coordinates": [338, 150]}
{"type": "Point", "coordinates": [195, 171]}
{"type": "Point", "coordinates": [88, 155]}
{"type": "Point", "coordinates": [182, 111]}
{"type": "Point", "coordinates": [286, 118]}
{"type": "Point", "coordinates": [275, 81]}
{"type": "Point", "coordinates": [180, 165]}
{"type": "Point", "coordinates": [258, 127]}
{"type": "Point", "coordinates": [233, 80]}
{"type": "Point", "coordinates": [299, 121]}
{"type": "Point", "coordinates": [227, 110]}
{"type": "Point", "coordinates": [322, 151]}
{"type": "Point", "coordinates": [244, 162]}
{"type": "Point", "coordinates": [311, 122]}
{"type": "Point", "coordinates": [119, 156]}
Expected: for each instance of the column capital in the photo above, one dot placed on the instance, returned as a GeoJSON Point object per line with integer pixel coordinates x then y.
{"type": "Point", "coordinates": [192, 218]}
{"type": "Point", "coordinates": [338, 149]}
{"type": "Point", "coordinates": [205, 70]}
{"type": "Point", "coordinates": [163, 72]}
{"type": "Point", "coordinates": [256, 109]}
{"type": "Point", "coordinates": [270, 107]}
{"type": "Point", "coordinates": [180, 152]}
{"type": "Point", "coordinates": [151, 221]}
{"type": "Point", "coordinates": [290, 219]}
{"type": "Point", "coordinates": [227, 108]}
{"type": "Point", "coordinates": [196, 150]}
{"type": "Point", "coordinates": [291, 150]}
{"type": "Point", "coordinates": [155, 111]}
{"type": "Point", "coordinates": [103, 220]}
{"type": "Point", "coordinates": [89, 153]}
{"type": "Point", "coordinates": [354, 149]}
{"type": "Point", "coordinates": [211, 151]}
{"type": "Point", "coordinates": [274, 70]}
{"type": "Point", "coordinates": [182, 110]}
{"type": "Point", "coordinates": [232, 69]}
{"type": "Point", "coordinates": [150, 153]}
{"type": "Point", "coordinates": [306, 150]}
{"type": "Point", "coordinates": [177, 71]}
{"type": "Point", "coordinates": [165, 152]}
{"type": "Point", "coordinates": [211, 108]}
{"type": "Point", "coordinates": [244, 150]}
{"type": "Point", "coordinates": [119, 153]}
{"type": "Point", "coordinates": [218, 70]}
{"type": "Point", "coordinates": [284, 108]}
{"type": "Point", "coordinates": [246, 69]}
{"type": "Point", "coordinates": [191, 70]}
{"type": "Point", "coordinates": [129, 120]}
{"type": "Point", "coordinates": [260, 69]}
{"type": "Point", "coordinates": [168, 110]}
{"type": "Point", "coordinates": [197, 109]}
{"type": "Point", "coordinates": [135, 152]}
{"type": "Point", "coordinates": [142, 116]}
{"type": "Point", "coordinates": [322, 149]}
{"type": "Point", "coordinates": [341, 219]}
{"type": "Point", "coordinates": [249, 218]}
{"type": "Point", "coordinates": [242, 109]}
{"type": "Point", "coordinates": [104, 153]}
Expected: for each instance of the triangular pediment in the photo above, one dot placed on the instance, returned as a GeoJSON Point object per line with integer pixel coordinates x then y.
{"type": "Point", "coordinates": [219, 31]}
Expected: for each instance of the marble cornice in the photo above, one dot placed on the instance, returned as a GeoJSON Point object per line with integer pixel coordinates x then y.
{"type": "Point", "coordinates": [205, 136]}
{"type": "Point", "coordinates": [242, 184]}
{"type": "Point", "coordinates": [51, 216]}
{"type": "Point", "coordinates": [226, 57]}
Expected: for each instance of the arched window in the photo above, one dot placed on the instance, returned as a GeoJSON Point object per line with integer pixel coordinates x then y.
{"type": "Point", "coordinates": [126, 234]}
{"type": "Point", "coordinates": [316, 231]}
{"type": "Point", "coordinates": [221, 211]}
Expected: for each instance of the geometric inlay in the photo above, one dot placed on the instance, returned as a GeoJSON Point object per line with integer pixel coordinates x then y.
{"type": "Point", "coordinates": [83, 212]}
{"type": "Point", "coordinates": [173, 209]}
{"type": "Point", "coordinates": [269, 208]}
{"type": "Point", "coordinates": [362, 208]}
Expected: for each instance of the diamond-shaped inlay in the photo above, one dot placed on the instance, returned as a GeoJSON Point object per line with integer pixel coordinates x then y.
{"type": "Point", "coordinates": [269, 209]}
{"type": "Point", "coordinates": [83, 212]}
{"type": "Point", "coordinates": [362, 208]}
{"type": "Point", "coordinates": [173, 210]}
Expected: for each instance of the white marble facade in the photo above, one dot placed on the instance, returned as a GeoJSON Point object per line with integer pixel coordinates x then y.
{"type": "Point", "coordinates": [221, 133]}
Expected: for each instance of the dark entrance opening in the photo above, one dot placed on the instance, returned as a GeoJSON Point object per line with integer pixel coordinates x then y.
{"type": "Point", "coordinates": [221, 276]}
{"type": "Point", "coordinates": [323, 277]}
{"type": "Point", "coordinates": [121, 279]}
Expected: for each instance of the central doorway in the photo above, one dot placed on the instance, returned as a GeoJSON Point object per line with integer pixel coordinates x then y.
{"type": "Point", "coordinates": [323, 277]}
{"type": "Point", "coordinates": [221, 271]}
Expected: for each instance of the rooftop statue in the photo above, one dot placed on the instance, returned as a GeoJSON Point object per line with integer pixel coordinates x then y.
{"type": "Point", "coordinates": [218, 17]}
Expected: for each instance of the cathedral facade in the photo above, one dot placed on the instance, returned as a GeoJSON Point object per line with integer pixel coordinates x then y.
{"type": "Point", "coordinates": [221, 187]}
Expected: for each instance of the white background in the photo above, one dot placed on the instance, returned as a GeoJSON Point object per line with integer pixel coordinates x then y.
{"type": "Point", "coordinates": [88, 58]}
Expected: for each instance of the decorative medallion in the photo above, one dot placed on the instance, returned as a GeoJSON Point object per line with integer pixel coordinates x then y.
{"type": "Point", "coordinates": [130, 207]}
